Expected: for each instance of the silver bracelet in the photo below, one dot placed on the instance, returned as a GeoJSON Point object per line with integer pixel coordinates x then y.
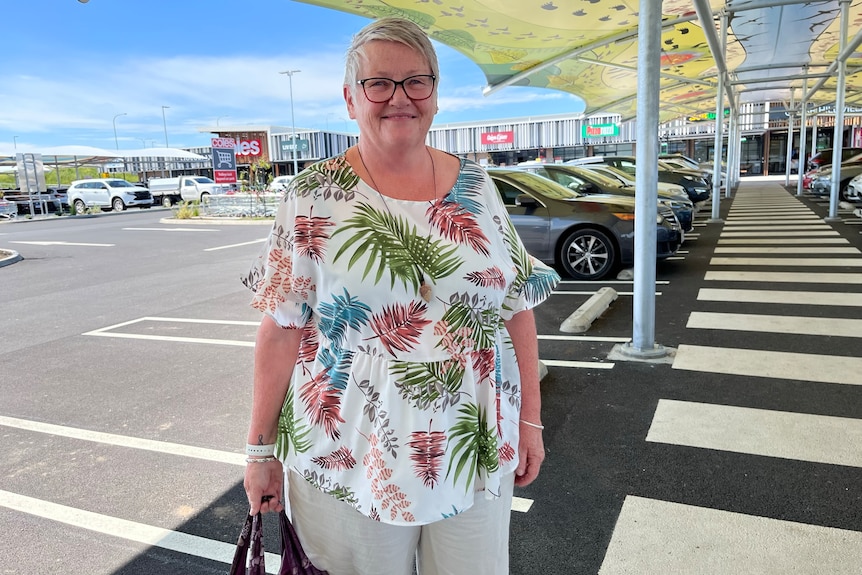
{"type": "Point", "coordinates": [536, 425]}
{"type": "Point", "coordinates": [268, 449]}
{"type": "Point", "coordinates": [260, 459]}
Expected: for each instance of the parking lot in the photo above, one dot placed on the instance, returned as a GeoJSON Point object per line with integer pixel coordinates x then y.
{"type": "Point", "coordinates": [125, 372]}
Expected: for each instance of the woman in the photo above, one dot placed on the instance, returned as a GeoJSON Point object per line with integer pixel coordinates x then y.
{"type": "Point", "coordinates": [396, 366]}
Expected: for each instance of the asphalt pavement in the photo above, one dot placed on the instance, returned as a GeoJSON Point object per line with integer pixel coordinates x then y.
{"type": "Point", "coordinates": [125, 378]}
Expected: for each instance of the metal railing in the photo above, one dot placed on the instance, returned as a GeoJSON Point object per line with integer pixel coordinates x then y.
{"type": "Point", "coordinates": [241, 205]}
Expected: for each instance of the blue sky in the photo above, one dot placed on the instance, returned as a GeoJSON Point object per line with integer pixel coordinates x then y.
{"type": "Point", "coordinates": [68, 69]}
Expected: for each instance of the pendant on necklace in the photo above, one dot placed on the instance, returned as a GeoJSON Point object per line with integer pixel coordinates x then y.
{"type": "Point", "coordinates": [425, 291]}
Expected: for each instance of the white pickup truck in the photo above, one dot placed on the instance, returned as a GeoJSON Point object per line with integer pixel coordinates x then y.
{"type": "Point", "coordinates": [171, 191]}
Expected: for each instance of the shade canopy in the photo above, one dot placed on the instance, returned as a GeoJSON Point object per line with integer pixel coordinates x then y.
{"type": "Point", "coordinates": [589, 47]}
{"type": "Point", "coordinates": [88, 155]}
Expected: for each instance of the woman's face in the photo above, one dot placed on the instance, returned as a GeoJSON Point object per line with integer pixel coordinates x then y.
{"type": "Point", "coordinates": [398, 121]}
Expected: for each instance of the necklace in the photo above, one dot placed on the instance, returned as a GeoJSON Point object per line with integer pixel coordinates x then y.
{"type": "Point", "coordinates": [425, 290]}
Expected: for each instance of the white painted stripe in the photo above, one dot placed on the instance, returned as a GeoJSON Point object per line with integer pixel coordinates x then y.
{"type": "Point", "coordinates": [129, 530]}
{"type": "Point", "coordinates": [592, 282]}
{"type": "Point", "coordinates": [777, 234]}
{"type": "Point", "coordinates": [774, 364]}
{"type": "Point", "coordinates": [583, 364]}
{"type": "Point", "coordinates": [566, 292]}
{"type": "Point", "coordinates": [583, 338]}
{"type": "Point", "coordinates": [126, 441]}
{"type": "Point", "coordinates": [780, 297]}
{"type": "Point", "coordinates": [260, 241]}
{"type": "Point", "coordinates": [786, 250]}
{"type": "Point", "coordinates": [798, 436]}
{"type": "Point", "coordinates": [654, 537]}
{"type": "Point", "coordinates": [774, 228]}
{"type": "Point", "coordinates": [796, 262]}
{"type": "Point", "coordinates": [783, 241]}
{"type": "Point", "coordinates": [196, 320]}
{"type": "Point", "coordinates": [828, 326]}
{"type": "Point", "coordinates": [794, 277]}
{"type": "Point", "coordinates": [177, 339]}
{"type": "Point", "coordinates": [157, 446]}
{"type": "Point", "coordinates": [170, 229]}
{"type": "Point", "coordinates": [46, 243]}
{"type": "Point", "coordinates": [521, 505]}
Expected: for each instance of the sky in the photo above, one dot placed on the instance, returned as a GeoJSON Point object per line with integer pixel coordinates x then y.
{"type": "Point", "coordinates": [72, 72]}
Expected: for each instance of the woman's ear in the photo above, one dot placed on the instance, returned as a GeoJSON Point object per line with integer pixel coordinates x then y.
{"type": "Point", "coordinates": [348, 98]}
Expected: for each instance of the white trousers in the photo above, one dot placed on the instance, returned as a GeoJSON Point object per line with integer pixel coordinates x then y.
{"type": "Point", "coordinates": [342, 541]}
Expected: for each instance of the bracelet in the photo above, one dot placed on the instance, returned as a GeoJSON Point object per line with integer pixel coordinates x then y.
{"type": "Point", "coordinates": [536, 425]}
{"type": "Point", "coordinates": [260, 449]}
{"type": "Point", "coordinates": [260, 459]}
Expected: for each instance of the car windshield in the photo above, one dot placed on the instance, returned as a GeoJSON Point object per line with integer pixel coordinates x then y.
{"type": "Point", "coordinates": [543, 186]}
{"type": "Point", "coordinates": [203, 180]}
{"type": "Point", "coordinates": [613, 172]}
{"type": "Point", "coordinates": [596, 176]}
{"type": "Point", "coordinates": [120, 184]}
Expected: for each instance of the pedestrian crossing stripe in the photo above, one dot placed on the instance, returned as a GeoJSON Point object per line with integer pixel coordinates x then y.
{"type": "Point", "coordinates": [763, 432]}
{"type": "Point", "coordinates": [653, 536]}
{"type": "Point", "coordinates": [772, 364]}
{"type": "Point", "coordinates": [780, 297]}
{"type": "Point", "coordinates": [791, 277]}
{"type": "Point", "coordinates": [785, 250]}
{"type": "Point", "coordinates": [799, 325]}
{"type": "Point", "coordinates": [806, 262]}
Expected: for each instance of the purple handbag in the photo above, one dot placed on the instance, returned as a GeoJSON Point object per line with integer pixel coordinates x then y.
{"type": "Point", "coordinates": [294, 561]}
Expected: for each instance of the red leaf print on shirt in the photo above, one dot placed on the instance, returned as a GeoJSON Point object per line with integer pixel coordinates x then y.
{"type": "Point", "coordinates": [458, 225]}
{"type": "Point", "coordinates": [400, 326]}
{"type": "Point", "coordinates": [339, 459]}
{"type": "Point", "coordinates": [310, 235]}
{"type": "Point", "coordinates": [427, 450]}
{"type": "Point", "coordinates": [489, 278]}
{"type": "Point", "coordinates": [322, 404]}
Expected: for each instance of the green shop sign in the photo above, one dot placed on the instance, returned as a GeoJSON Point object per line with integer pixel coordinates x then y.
{"type": "Point", "coordinates": [600, 130]}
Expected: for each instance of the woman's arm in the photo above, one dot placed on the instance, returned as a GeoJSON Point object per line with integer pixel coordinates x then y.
{"type": "Point", "coordinates": [531, 449]}
{"type": "Point", "coordinates": [275, 353]}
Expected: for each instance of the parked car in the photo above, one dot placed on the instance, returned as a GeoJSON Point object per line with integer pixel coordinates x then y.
{"type": "Point", "coordinates": [823, 158]}
{"type": "Point", "coordinates": [279, 184]}
{"type": "Point", "coordinates": [686, 163]}
{"type": "Point", "coordinates": [36, 203]}
{"type": "Point", "coordinates": [586, 181]}
{"type": "Point", "coordinates": [61, 193]}
{"type": "Point", "coordinates": [695, 186]}
{"type": "Point", "coordinates": [854, 189]}
{"type": "Point", "coordinates": [109, 193]}
{"type": "Point", "coordinates": [8, 209]}
{"type": "Point", "coordinates": [587, 237]}
{"type": "Point", "coordinates": [821, 184]}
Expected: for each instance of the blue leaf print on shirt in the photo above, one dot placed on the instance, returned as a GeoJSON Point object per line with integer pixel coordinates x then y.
{"type": "Point", "coordinates": [344, 311]}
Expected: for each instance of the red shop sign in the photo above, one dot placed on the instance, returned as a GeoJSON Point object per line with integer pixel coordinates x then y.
{"type": "Point", "coordinates": [498, 137]}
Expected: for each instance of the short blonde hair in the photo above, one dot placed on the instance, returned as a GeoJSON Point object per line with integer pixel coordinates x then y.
{"type": "Point", "coordinates": [389, 30]}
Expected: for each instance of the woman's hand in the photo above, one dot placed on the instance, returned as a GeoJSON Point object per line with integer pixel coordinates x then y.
{"type": "Point", "coordinates": [531, 454]}
{"type": "Point", "coordinates": [264, 486]}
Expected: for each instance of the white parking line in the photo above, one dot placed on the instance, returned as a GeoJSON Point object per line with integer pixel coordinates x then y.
{"type": "Point", "coordinates": [579, 364]}
{"type": "Point", "coordinates": [518, 503]}
{"type": "Point", "coordinates": [129, 530]}
{"type": "Point", "coordinates": [107, 331]}
{"type": "Point", "coordinates": [46, 243]}
{"type": "Point", "coordinates": [172, 229]}
{"type": "Point", "coordinates": [260, 241]}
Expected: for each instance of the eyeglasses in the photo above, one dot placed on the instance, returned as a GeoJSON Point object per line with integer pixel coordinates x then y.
{"type": "Point", "coordinates": [380, 90]}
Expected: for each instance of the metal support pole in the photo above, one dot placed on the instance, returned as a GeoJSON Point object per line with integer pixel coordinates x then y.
{"type": "Point", "coordinates": [803, 135]}
{"type": "Point", "coordinates": [646, 180]}
{"type": "Point", "coordinates": [838, 137]}
{"type": "Point", "coordinates": [289, 74]}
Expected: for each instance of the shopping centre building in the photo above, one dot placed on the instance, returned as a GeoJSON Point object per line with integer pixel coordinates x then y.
{"type": "Point", "coordinates": [557, 138]}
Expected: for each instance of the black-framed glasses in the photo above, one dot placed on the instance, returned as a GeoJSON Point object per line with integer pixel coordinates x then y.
{"type": "Point", "coordinates": [378, 90]}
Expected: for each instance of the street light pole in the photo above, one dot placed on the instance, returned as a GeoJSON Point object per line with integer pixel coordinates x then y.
{"type": "Point", "coordinates": [290, 74]}
{"type": "Point", "coordinates": [165, 124]}
{"type": "Point", "coordinates": [15, 142]}
{"type": "Point", "coordinates": [114, 121]}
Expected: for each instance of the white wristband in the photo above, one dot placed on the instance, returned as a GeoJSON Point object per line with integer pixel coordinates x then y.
{"type": "Point", "coordinates": [268, 450]}
{"type": "Point", "coordinates": [531, 424]}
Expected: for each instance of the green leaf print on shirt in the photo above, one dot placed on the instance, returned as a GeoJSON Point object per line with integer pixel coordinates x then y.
{"type": "Point", "coordinates": [391, 243]}
{"type": "Point", "coordinates": [291, 431]}
{"type": "Point", "coordinates": [476, 447]}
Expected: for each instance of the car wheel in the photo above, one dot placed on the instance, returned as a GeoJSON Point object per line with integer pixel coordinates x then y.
{"type": "Point", "coordinates": [117, 205]}
{"type": "Point", "coordinates": [588, 254]}
{"type": "Point", "coordinates": [205, 197]}
{"type": "Point", "coordinates": [80, 207]}
{"type": "Point", "coordinates": [167, 202]}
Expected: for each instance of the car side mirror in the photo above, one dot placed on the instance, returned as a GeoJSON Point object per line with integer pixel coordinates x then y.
{"type": "Point", "coordinates": [526, 201]}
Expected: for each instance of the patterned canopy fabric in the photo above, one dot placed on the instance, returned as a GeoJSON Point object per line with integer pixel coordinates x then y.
{"type": "Point", "coordinates": [590, 47]}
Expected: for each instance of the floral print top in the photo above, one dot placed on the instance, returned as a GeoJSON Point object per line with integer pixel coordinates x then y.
{"type": "Point", "coordinates": [401, 407]}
